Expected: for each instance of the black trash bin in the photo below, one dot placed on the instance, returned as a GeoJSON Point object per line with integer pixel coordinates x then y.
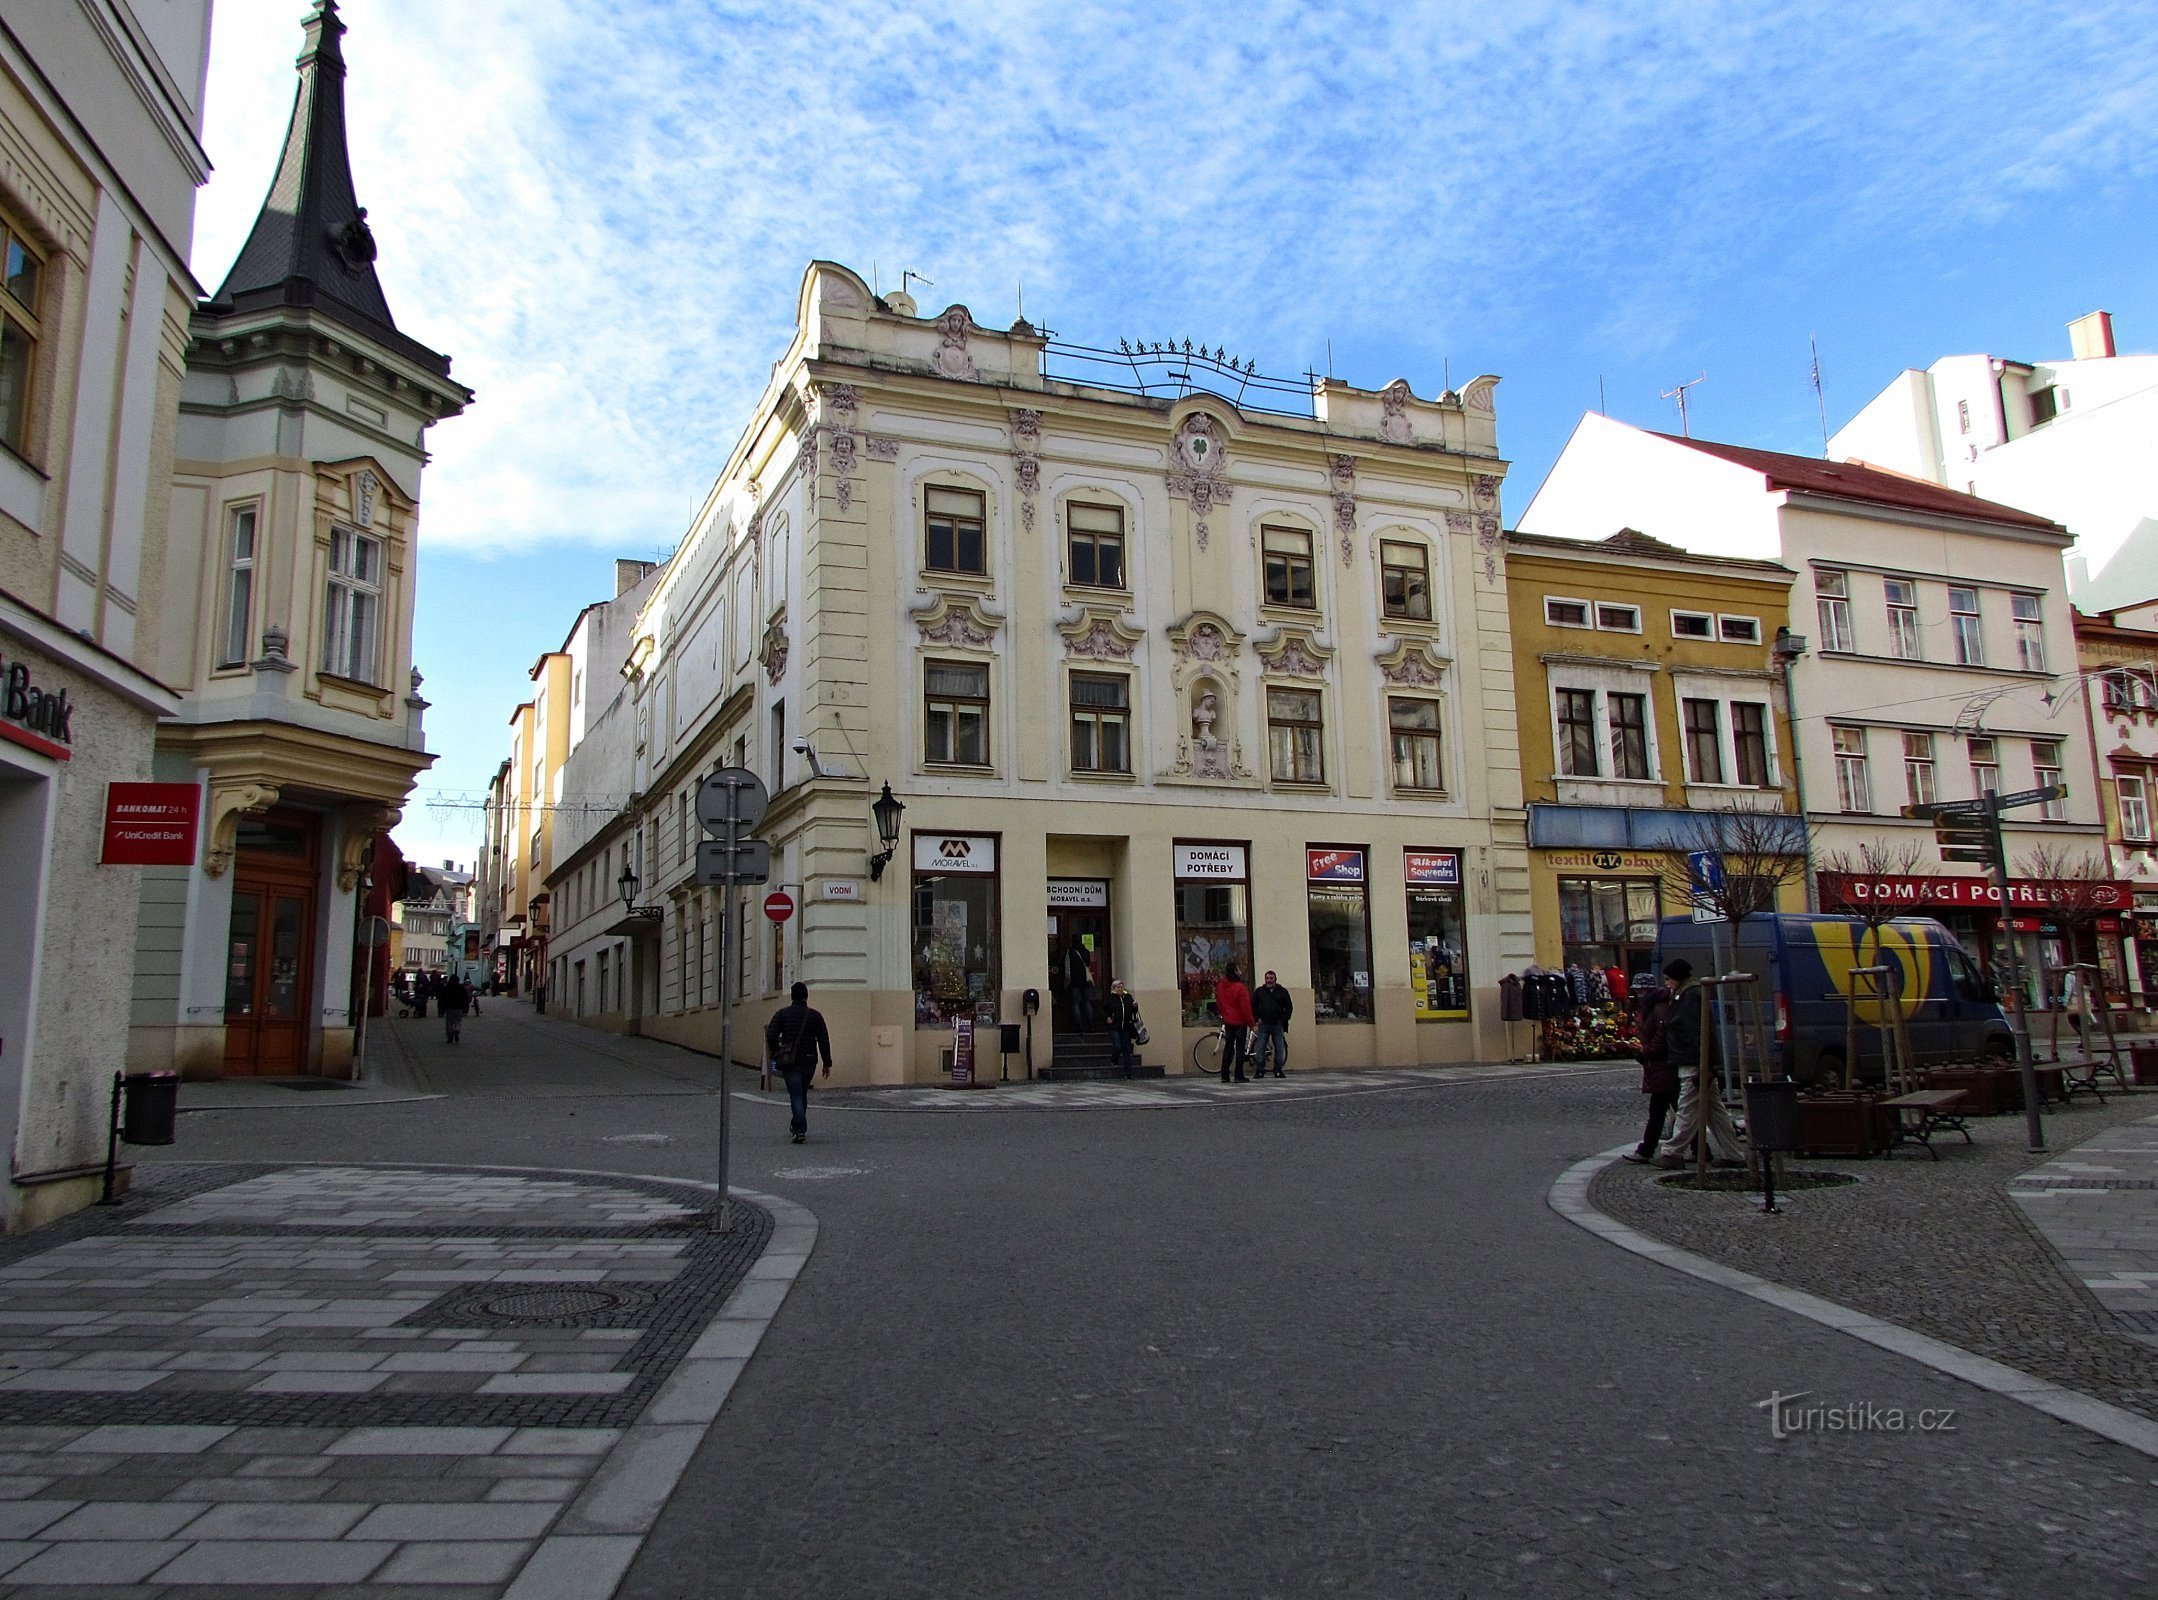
{"type": "Point", "coordinates": [151, 1108]}
{"type": "Point", "coordinates": [1772, 1115]}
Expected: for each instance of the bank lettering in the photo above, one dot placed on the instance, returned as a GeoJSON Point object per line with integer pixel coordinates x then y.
{"type": "Point", "coordinates": [41, 711]}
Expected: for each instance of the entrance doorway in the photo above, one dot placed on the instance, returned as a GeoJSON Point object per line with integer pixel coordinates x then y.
{"type": "Point", "coordinates": [1079, 931]}
{"type": "Point", "coordinates": [270, 948]}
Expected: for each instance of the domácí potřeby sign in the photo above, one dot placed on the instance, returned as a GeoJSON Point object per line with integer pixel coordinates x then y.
{"type": "Point", "coordinates": [38, 719]}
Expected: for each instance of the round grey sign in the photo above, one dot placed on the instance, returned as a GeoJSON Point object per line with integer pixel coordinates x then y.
{"type": "Point", "coordinates": [734, 791]}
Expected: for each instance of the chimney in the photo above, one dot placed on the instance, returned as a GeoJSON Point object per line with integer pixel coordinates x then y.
{"type": "Point", "coordinates": [2091, 338]}
{"type": "Point", "coordinates": [628, 574]}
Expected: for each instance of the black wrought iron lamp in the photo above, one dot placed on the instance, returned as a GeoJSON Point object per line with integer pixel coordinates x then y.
{"type": "Point", "coordinates": [886, 808]}
{"type": "Point", "coordinates": [627, 886]}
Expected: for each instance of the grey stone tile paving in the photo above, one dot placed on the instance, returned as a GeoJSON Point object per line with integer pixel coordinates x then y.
{"type": "Point", "coordinates": [1979, 1248]}
{"type": "Point", "coordinates": [141, 1454]}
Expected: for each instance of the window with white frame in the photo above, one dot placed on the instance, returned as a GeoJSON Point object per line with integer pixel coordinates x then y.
{"type": "Point", "coordinates": [2030, 632]}
{"type": "Point", "coordinates": [1832, 595]}
{"type": "Point", "coordinates": [1985, 767]}
{"type": "Point", "coordinates": [1629, 734]}
{"type": "Point", "coordinates": [1293, 735]}
{"type": "Point", "coordinates": [1289, 568]}
{"type": "Point", "coordinates": [1704, 740]}
{"type": "Point", "coordinates": [1693, 625]}
{"type": "Point", "coordinates": [1918, 768]}
{"type": "Point", "coordinates": [1101, 722]}
{"type": "Point", "coordinates": [1563, 613]}
{"type": "Point", "coordinates": [352, 606]}
{"type": "Point", "coordinates": [1576, 712]}
{"type": "Point", "coordinates": [1618, 619]}
{"type": "Point", "coordinates": [22, 285]}
{"type": "Point", "coordinates": [1902, 597]}
{"type": "Point", "coordinates": [1739, 630]}
{"type": "Point", "coordinates": [955, 697]}
{"type": "Point", "coordinates": [1413, 727]}
{"type": "Point", "coordinates": [1094, 544]}
{"type": "Point", "coordinates": [239, 586]}
{"type": "Point", "coordinates": [1404, 580]}
{"type": "Point", "coordinates": [1967, 627]}
{"type": "Point", "coordinates": [953, 530]}
{"type": "Point", "coordinates": [1854, 785]}
{"type": "Point", "coordinates": [2135, 806]}
{"type": "Point", "coordinates": [1749, 743]}
{"type": "Point", "coordinates": [2046, 770]}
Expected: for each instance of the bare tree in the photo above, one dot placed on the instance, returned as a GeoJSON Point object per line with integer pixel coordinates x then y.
{"type": "Point", "coordinates": [2080, 889]}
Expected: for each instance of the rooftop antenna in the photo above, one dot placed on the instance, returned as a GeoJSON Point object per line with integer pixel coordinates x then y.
{"type": "Point", "coordinates": [875, 287]}
{"type": "Point", "coordinates": [1819, 398]}
{"type": "Point", "coordinates": [1601, 409]}
{"type": "Point", "coordinates": [1329, 361]}
{"type": "Point", "coordinates": [1022, 299]}
{"type": "Point", "coordinates": [910, 275]}
{"type": "Point", "coordinates": [1679, 394]}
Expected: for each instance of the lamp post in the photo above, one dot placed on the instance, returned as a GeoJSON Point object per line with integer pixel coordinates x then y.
{"type": "Point", "coordinates": [887, 809]}
{"type": "Point", "coordinates": [1787, 649]}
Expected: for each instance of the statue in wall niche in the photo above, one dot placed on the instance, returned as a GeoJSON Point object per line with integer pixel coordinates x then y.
{"type": "Point", "coordinates": [1209, 756]}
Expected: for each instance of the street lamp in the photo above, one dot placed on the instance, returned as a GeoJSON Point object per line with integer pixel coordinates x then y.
{"type": "Point", "coordinates": [886, 809]}
{"type": "Point", "coordinates": [1788, 647]}
{"type": "Point", "coordinates": [628, 885]}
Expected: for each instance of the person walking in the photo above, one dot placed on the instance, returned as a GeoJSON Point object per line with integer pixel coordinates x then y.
{"type": "Point", "coordinates": [456, 999]}
{"type": "Point", "coordinates": [1659, 1078]}
{"type": "Point", "coordinates": [793, 1040]}
{"type": "Point", "coordinates": [1079, 983]}
{"type": "Point", "coordinates": [1693, 1053]}
{"type": "Point", "coordinates": [1272, 1008]}
{"type": "Point", "coordinates": [1121, 1012]}
{"type": "Point", "coordinates": [1233, 1001]}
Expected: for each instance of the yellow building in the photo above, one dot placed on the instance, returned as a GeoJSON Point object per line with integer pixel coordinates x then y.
{"type": "Point", "coordinates": [1649, 698]}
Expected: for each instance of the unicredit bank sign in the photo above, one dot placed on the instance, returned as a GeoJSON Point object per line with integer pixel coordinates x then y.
{"type": "Point", "coordinates": [1844, 890]}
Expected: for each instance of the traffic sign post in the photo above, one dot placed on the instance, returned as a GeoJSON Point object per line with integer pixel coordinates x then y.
{"type": "Point", "coordinates": [730, 802]}
{"type": "Point", "coordinates": [778, 905]}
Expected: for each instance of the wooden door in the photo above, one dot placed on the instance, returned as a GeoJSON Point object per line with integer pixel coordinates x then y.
{"type": "Point", "coordinates": [269, 949]}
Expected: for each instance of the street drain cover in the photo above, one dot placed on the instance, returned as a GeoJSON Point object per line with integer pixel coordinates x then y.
{"type": "Point", "coordinates": [544, 1303]}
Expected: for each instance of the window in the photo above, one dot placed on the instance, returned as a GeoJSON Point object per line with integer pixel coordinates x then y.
{"type": "Point", "coordinates": [1566, 613]}
{"type": "Point", "coordinates": [1340, 924]}
{"type": "Point", "coordinates": [1704, 742]}
{"type": "Point", "coordinates": [1740, 630]}
{"type": "Point", "coordinates": [1985, 767]}
{"type": "Point", "coordinates": [681, 828]}
{"type": "Point", "coordinates": [1832, 592]}
{"type": "Point", "coordinates": [1404, 581]}
{"type": "Point", "coordinates": [1094, 538]}
{"type": "Point", "coordinates": [1692, 625]}
{"type": "Point", "coordinates": [1853, 787]}
{"type": "Point", "coordinates": [1577, 733]}
{"type": "Point", "coordinates": [2135, 807]}
{"type": "Point", "coordinates": [1438, 943]}
{"type": "Point", "coordinates": [956, 722]}
{"type": "Point", "coordinates": [1629, 735]}
{"type": "Point", "coordinates": [20, 330]}
{"type": "Point", "coordinates": [1749, 742]}
{"type": "Point", "coordinates": [1619, 619]}
{"type": "Point", "coordinates": [1963, 416]}
{"type": "Point", "coordinates": [1414, 727]}
{"type": "Point", "coordinates": [2045, 406]}
{"type": "Point", "coordinates": [239, 587]}
{"type": "Point", "coordinates": [1101, 723]}
{"type": "Point", "coordinates": [779, 745]}
{"type": "Point", "coordinates": [2030, 632]}
{"type": "Point", "coordinates": [1609, 922]}
{"type": "Point", "coordinates": [956, 939]}
{"type": "Point", "coordinates": [1918, 768]}
{"type": "Point", "coordinates": [1964, 619]}
{"type": "Point", "coordinates": [1902, 597]}
{"type": "Point", "coordinates": [353, 606]}
{"type": "Point", "coordinates": [1289, 573]}
{"type": "Point", "coordinates": [2046, 769]}
{"type": "Point", "coordinates": [1213, 921]}
{"type": "Point", "coordinates": [1292, 735]}
{"type": "Point", "coordinates": [955, 519]}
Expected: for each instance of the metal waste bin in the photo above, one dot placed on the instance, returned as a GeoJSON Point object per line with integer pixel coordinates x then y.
{"type": "Point", "coordinates": [151, 1108]}
{"type": "Point", "coordinates": [1771, 1115]}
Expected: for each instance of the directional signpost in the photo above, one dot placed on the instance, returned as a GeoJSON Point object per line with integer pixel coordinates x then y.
{"type": "Point", "coordinates": [730, 803]}
{"type": "Point", "coordinates": [1970, 830]}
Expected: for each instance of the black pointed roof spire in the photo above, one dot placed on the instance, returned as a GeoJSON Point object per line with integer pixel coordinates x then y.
{"type": "Point", "coordinates": [311, 245]}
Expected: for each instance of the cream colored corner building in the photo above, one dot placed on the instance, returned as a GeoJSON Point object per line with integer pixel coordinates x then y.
{"type": "Point", "coordinates": [1158, 677]}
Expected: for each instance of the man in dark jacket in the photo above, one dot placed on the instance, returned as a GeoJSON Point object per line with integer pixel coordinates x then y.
{"type": "Point", "coordinates": [794, 1039]}
{"type": "Point", "coordinates": [1272, 1007]}
{"type": "Point", "coordinates": [1690, 1038]}
{"type": "Point", "coordinates": [1659, 1077]}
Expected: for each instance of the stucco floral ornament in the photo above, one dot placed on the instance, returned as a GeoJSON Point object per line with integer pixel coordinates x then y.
{"type": "Point", "coordinates": [1296, 653]}
{"type": "Point", "coordinates": [1412, 664]}
{"type": "Point", "coordinates": [1198, 469]}
{"type": "Point", "coordinates": [773, 652]}
{"type": "Point", "coordinates": [957, 620]}
{"type": "Point", "coordinates": [1101, 634]}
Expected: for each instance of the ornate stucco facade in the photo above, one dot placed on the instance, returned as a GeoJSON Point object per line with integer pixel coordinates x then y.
{"type": "Point", "coordinates": [1157, 677]}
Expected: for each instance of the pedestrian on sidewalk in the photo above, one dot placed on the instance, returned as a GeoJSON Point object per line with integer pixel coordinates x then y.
{"type": "Point", "coordinates": [1121, 1012]}
{"type": "Point", "coordinates": [1079, 983]}
{"type": "Point", "coordinates": [456, 999]}
{"type": "Point", "coordinates": [1233, 1001]}
{"type": "Point", "coordinates": [793, 1040]}
{"type": "Point", "coordinates": [1272, 1008]}
{"type": "Point", "coordinates": [1693, 1053]}
{"type": "Point", "coordinates": [1659, 1078]}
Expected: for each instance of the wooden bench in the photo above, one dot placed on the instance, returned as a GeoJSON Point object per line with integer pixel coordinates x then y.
{"type": "Point", "coordinates": [1924, 1112]}
{"type": "Point", "coordinates": [2064, 1080]}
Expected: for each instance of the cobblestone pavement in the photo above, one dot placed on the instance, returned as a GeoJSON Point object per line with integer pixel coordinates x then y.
{"type": "Point", "coordinates": [1329, 1345]}
{"type": "Point", "coordinates": [1948, 1248]}
{"type": "Point", "coordinates": [311, 1378]}
{"type": "Point", "coordinates": [2098, 1206]}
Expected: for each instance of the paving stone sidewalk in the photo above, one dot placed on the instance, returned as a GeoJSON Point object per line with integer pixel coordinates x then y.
{"type": "Point", "coordinates": [1978, 1248]}
{"type": "Point", "coordinates": [331, 1381]}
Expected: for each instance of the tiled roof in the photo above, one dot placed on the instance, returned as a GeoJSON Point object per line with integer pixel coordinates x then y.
{"type": "Point", "coordinates": [1851, 480]}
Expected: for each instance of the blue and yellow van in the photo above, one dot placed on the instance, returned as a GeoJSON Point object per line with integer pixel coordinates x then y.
{"type": "Point", "coordinates": [1804, 961]}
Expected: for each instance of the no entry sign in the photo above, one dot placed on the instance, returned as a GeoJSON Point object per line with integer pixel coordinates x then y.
{"type": "Point", "coordinates": [779, 905]}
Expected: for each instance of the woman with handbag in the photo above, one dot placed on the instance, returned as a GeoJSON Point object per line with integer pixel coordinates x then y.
{"type": "Point", "coordinates": [1126, 1027]}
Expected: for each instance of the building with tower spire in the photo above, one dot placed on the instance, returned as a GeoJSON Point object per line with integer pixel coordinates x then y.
{"type": "Point", "coordinates": [291, 558]}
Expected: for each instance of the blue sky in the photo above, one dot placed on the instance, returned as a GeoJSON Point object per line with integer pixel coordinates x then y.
{"type": "Point", "coordinates": [602, 214]}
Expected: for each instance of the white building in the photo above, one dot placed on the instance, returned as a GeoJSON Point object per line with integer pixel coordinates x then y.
{"type": "Point", "coordinates": [2071, 440]}
{"type": "Point", "coordinates": [100, 157]}
{"type": "Point", "coordinates": [1942, 650]}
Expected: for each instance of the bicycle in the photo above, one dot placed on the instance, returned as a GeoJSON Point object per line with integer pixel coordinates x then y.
{"type": "Point", "coordinates": [1206, 1051]}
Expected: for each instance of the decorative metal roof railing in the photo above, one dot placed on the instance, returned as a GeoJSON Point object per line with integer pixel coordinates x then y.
{"type": "Point", "coordinates": [1168, 370]}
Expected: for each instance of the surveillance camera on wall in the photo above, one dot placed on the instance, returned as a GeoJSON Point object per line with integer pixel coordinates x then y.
{"type": "Point", "coordinates": [802, 747]}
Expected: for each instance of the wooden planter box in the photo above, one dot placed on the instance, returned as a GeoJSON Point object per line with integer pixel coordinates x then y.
{"type": "Point", "coordinates": [1988, 1091]}
{"type": "Point", "coordinates": [2143, 1059]}
{"type": "Point", "coordinates": [1841, 1124]}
